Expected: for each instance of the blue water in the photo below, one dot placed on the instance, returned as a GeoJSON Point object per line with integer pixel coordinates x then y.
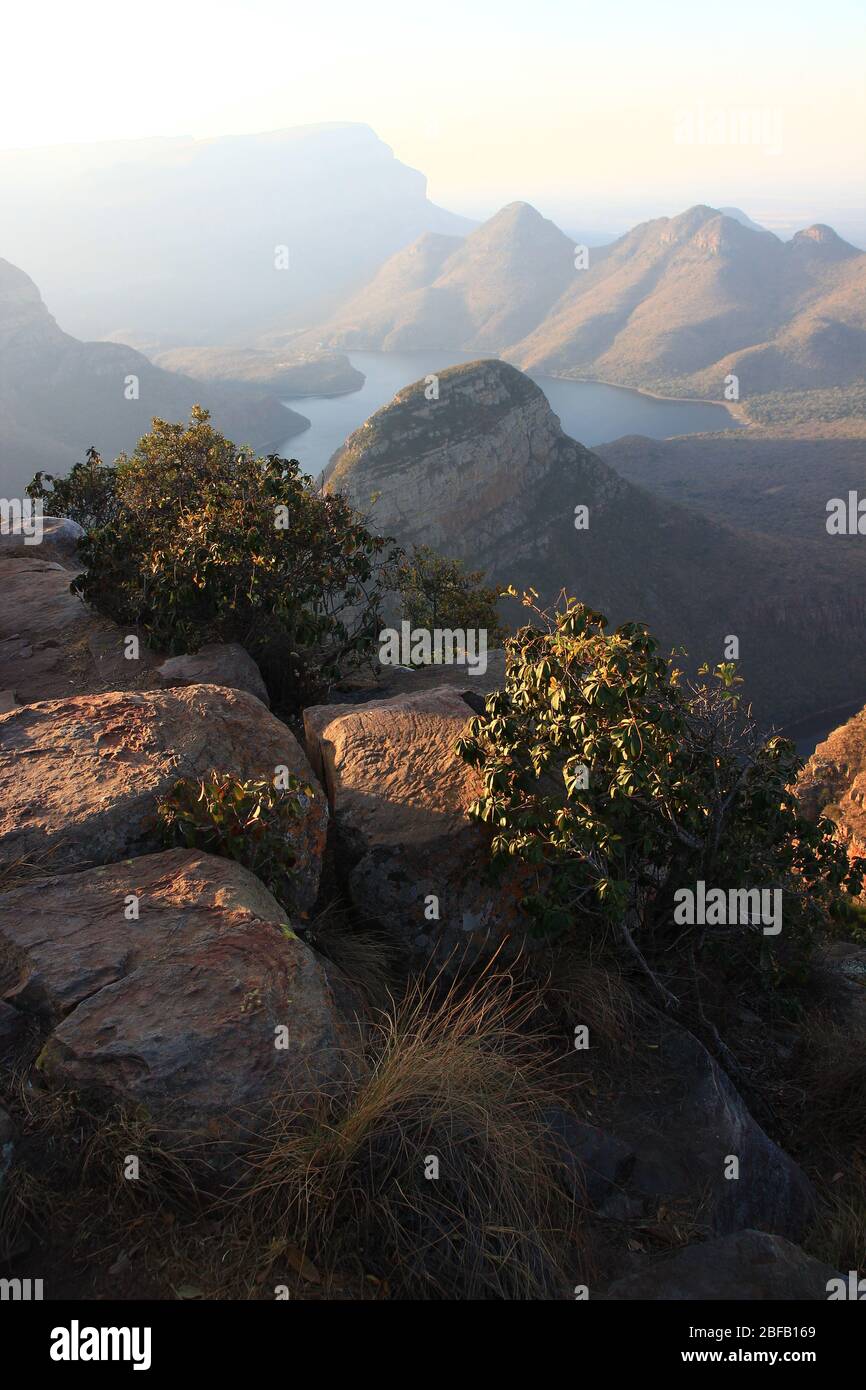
{"type": "Point", "coordinates": [588, 411]}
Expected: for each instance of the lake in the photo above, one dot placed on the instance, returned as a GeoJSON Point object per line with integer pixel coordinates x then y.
{"type": "Point", "coordinates": [589, 411]}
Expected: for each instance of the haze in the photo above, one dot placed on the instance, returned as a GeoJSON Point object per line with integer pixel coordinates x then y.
{"type": "Point", "coordinates": [573, 110]}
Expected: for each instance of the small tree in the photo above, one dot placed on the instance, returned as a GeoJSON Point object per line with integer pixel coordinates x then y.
{"type": "Point", "coordinates": [622, 785]}
{"type": "Point", "coordinates": [440, 593]}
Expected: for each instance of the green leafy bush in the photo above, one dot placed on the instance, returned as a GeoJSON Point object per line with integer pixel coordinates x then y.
{"type": "Point", "coordinates": [439, 593]}
{"type": "Point", "coordinates": [193, 542]}
{"type": "Point", "coordinates": [88, 495]}
{"type": "Point", "coordinates": [250, 822]}
{"type": "Point", "coordinates": [622, 785]}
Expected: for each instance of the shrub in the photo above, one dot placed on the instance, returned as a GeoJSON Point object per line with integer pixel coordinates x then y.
{"type": "Point", "coordinates": [623, 785]}
{"type": "Point", "coordinates": [88, 495]}
{"type": "Point", "coordinates": [250, 822]}
{"type": "Point", "coordinates": [439, 593]}
{"type": "Point", "coordinates": [196, 542]}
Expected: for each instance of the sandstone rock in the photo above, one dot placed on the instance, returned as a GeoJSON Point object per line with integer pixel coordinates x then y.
{"type": "Point", "coordinates": [52, 644]}
{"type": "Point", "coordinates": [59, 543]}
{"type": "Point", "coordinates": [8, 701]}
{"type": "Point", "coordinates": [175, 1011]}
{"type": "Point", "coordinates": [596, 1162]}
{"type": "Point", "coordinates": [399, 794]}
{"type": "Point", "coordinates": [747, 1265]}
{"type": "Point", "coordinates": [80, 778]}
{"type": "Point", "coordinates": [218, 663]}
{"type": "Point", "coordinates": [684, 1121]}
{"type": "Point", "coordinates": [404, 680]}
{"type": "Point", "coordinates": [834, 781]}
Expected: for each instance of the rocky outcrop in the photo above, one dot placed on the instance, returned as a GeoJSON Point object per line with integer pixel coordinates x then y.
{"type": "Point", "coordinates": [176, 1006]}
{"type": "Point", "coordinates": [686, 1123]}
{"type": "Point", "coordinates": [484, 473]}
{"type": "Point", "coordinates": [833, 782]}
{"type": "Point", "coordinates": [52, 645]}
{"type": "Point", "coordinates": [596, 1164]}
{"type": "Point", "coordinates": [399, 795]}
{"type": "Point", "coordinates": [749, 1265]}
{"type": "Point", "coordinates": [80, 778]}
{"type": "Point", "coordinates": [217, 663]}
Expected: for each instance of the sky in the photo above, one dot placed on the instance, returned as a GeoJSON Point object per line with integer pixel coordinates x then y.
{"type": "Point", "coordinates": [638, 108]}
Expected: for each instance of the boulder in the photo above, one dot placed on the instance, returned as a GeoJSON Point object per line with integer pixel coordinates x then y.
{"type": "Point", "coordinates": [80, 778]}
{"type": "Point", "coordinates": [218, 663]}
{"type": "Point", "coordinates": [174, 1010]}
{"type": "Point", "coordinates": [596, 1163]}
{"type": "Point", "coordinates": [52, 644]}
{"type": "Point", "coordinates": [8, 701]}
{"type": "Point", "coordinates": [743, 1266]}
{"type": "Point", "coordinates": [399, 795]}
{"type": "Point", "coordinates": [685, 1120]}
{"type": "Point", "coordinates": [59, 543]}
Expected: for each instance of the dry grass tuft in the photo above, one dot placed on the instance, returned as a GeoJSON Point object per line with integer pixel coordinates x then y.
{"type": "Point", "coordinates": [458, 1078]}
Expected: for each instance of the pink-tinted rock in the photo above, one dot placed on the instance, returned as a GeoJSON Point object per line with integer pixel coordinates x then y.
{"type": "Point", "coordinates": [80, 779]}
{"type": "Point", "coordinates": [175, 1010]}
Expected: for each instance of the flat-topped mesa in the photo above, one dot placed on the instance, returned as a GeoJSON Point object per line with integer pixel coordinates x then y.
{"type": "Point", "coordinates": [450, 470]}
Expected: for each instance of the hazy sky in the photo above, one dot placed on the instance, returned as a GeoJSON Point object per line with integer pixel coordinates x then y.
{"type": "Point", "coordinates": [648, 104]}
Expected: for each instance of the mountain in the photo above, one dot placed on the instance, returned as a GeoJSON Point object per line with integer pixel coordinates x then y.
{"type": "Point", "coordinates": [481, 292]}
{"type": "Point", "coordinates": [744, 219]}
{"type": "Point", "coordinates": [676, 304]}
{"type": "Point", "coordinates": [59, 395]}
{"type": "Point", "coordinates": [168, 237]}
{"type": "Point", "coordinates": [486, 475]}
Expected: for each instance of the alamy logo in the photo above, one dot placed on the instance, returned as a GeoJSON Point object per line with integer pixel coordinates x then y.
{"type": "Point", "coordinates": [77, 1343]}
{"type": "Point", "coordinates": [20, 1290]}
{"type": "Point", "coordinates": [853, 1288]}
{"type": "Point", "coordinates": [22, 517]}
{"type": "Point", "coordinates": [421, 646]}
{"type": "Point", "coordinates": [715, 907]}
{"type": "Point", "coordinates": [846, 517]}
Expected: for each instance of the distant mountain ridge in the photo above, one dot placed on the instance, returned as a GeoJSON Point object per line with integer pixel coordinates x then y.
{"type": "Point", "coordinates": [676, 304]}
{"type": "Point", "coordinates": [485, 474]}
{"type": "Point", "coordinates": [59, 395]}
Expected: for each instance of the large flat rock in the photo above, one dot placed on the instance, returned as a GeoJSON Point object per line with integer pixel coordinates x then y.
{"type": "Point", "coordinates": [52, 644]}
{"type": "Point", "coordinates": [177, 1010]}
{"type": "Point", "coordinates": [80, 778]}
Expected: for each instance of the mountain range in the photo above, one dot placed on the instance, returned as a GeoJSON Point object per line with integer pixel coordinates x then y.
{"type": "Point", "coordinates": [677, 304]}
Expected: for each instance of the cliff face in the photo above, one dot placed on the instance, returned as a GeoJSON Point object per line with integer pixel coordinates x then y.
{"type": "Point", "coordinates": [485, 474]}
